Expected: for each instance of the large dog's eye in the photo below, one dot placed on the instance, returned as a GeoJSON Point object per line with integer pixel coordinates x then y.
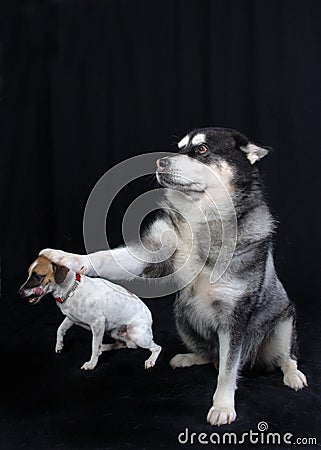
{"type": "Point", "coordinates": [202, 148]}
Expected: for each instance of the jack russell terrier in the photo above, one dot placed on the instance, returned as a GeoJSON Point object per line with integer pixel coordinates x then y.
{"type": "Point", "coordinates": [95, 304]}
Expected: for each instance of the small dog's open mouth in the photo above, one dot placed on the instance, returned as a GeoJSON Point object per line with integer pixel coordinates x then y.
{"type": "Point", "coordinates": [33, 299]}
{"type": "Point", "coordinates": [35, 296]}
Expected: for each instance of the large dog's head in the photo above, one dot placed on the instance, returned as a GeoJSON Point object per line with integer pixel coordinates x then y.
{"type": "Point", "coordinates": [209, 157]}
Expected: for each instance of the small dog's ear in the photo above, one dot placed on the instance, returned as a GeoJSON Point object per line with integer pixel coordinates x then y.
{"type": "Point", "coordinates": [60, 273]}
{"type": "Point", "coordinates": [255, 152]}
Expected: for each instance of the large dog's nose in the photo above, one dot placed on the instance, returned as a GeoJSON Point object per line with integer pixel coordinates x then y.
{"type": "Point", "coordinates": [162, 163]}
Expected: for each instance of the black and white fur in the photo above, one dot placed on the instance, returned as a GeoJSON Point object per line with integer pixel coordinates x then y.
{"type": "Point", "coordinates": [245, 316]}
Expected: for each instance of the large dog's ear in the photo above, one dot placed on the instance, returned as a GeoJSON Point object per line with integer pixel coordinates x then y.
{"type": "Point", "coordinates": [60, 273]}
{"type": "Point", "coordinates": [255, 152]}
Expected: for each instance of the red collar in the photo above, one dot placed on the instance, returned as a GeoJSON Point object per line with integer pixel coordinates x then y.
{"type": "Point", "coordinates": [70, 291]}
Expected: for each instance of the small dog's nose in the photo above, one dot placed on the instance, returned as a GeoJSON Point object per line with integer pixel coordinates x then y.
{"type": "Point", "coordinates": [162, 163]}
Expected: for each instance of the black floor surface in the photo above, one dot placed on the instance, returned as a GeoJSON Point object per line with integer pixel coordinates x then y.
{"type": "Point", "coordinates": [47, 402]}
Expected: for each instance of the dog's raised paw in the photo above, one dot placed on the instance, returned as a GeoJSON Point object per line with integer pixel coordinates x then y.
{"type": "Point", "coordinates": [221, 415]}
{"type": "Point", "coordinates": [295, 380]}
{"type": "Point", "coordinates": [88, 366]}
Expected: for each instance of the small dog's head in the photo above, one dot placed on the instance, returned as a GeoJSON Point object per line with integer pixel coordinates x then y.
{"type": "Point", "coordinates": [209, 157]}
{"type": "Point", "coordinates": [42, 278]}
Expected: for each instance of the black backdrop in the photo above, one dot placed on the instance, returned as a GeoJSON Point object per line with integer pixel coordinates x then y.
{"type": "Point", "coordinates": [85, 85]}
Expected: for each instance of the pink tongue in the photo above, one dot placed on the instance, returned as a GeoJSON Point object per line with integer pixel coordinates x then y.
{"type": "Point", "coordinates": [37, 291]}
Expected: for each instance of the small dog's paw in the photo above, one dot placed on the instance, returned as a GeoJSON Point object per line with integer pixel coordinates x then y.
{"type": "Point", "coordinates": [181, 360]}
{"type": "Point", "coordinates": [88, 366]}
{"type": "Point", "coordinates": [219, 415]}
{"type": "Point", "coordinates": [149, 364]}
{"type": "Point", "coordinates": [59, 347]}
{"type": "Point", "coordinates": [295, 380]}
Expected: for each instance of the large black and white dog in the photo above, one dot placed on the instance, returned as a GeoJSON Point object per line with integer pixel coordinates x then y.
{"type": "Point", "coordinates": [242, 315]}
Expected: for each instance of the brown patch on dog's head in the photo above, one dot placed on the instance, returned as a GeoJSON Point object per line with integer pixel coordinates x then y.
{"type": "Point", "coordinates": [43, 275]}
{"type": "Point", "coordinates": [50, 272]}
{"type": "Point", "coordinates": [43, 272]}
{"type": "Point", "coordinates": [40, 269]}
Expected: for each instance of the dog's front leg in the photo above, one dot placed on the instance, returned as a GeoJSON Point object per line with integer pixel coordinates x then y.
{"type": "Point", "coordinates": [63, 328]}
{"type": "Point", "coordinates": [223, 411]}
{"type": "Point", "coordinates": [123, 263]}
{"type": "Point", "coordinates": [98, 329]}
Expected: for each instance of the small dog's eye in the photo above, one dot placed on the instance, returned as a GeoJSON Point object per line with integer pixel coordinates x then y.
{"type": "Point", "coordinates": [37, 277]}
{"type": "Point", "coordinates": [201, 149]}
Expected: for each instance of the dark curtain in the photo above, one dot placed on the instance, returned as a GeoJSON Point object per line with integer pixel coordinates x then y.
{"type": "Point", "coordinates": [85, 85]}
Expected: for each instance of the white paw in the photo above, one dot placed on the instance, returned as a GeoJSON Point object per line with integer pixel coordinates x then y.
{"type": "Point", "coordinates": [59, 347]}
{"type": "Point", "coordinates": [149, 364]}
{"type": "Point", "coordinates": [88, 366]}
{"type": "Point", "coordinates": [181, 360]}
{"type": "Point", "coordinates": [219, 415]}
{"type": "Point", "coordinates": [295, 380]}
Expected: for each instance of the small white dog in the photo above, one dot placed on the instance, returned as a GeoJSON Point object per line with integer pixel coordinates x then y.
{"type": "Point", "coordinates": [95, 304]}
